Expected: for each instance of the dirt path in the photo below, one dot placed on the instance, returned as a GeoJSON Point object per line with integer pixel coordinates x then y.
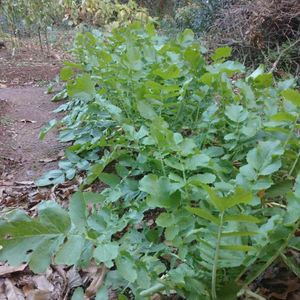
{"type": "Point", "coordinates": [27, 110]}
{"type": "Point", "coordinates": [23, 157]}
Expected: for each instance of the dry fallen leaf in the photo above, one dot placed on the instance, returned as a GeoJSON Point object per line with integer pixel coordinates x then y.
{"type": "Point", "coordinates": [74, 279]}
{"type": "Point", "coordinates": [38, 295]}
{"type": "Point", "coordinates": [28, 121]}
{"type": "Point", "coordinates": [48, 160]}
{"type": "Point", "coordinates": [42, 283]}
{"type": "Point", "coordinates": [5, 269]}
{"type": "Point", "coordinates": [24, 182]}
{"type": "Point", "coordinates": [12, 292]}
{"type": "Point", "coordinates": [97, 282]}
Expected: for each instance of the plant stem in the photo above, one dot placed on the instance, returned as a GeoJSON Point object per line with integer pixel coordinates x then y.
{"type": "Point", "coordinates": [215, 266]}
{"type": "Point", "coordinates": [273, 257]}
{"type": "Point", "coordinates": [251, 294]}
{"type": "Point", "coordinates": [294, 164]}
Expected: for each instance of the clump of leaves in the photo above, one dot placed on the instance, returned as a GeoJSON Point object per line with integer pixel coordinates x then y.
{"type": "Point", "coordinates": [200, 162]}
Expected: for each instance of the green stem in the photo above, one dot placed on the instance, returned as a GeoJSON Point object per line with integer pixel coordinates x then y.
{"type": "Point", "coordinates": [216, 259]}
{"type": "Point", "coordinates": [251, 294]}
{"type": "Point", "coordinates": [163, 166]}
{"type": "Point", "coordinates": [272, 258]}
{"type": "Point", "coordinates": [294, 164]}
{"type": "Point", "coordinates": [290, 133]}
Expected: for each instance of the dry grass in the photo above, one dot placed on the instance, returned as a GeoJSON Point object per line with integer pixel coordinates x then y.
{"type": "Point", "coordinates": [260, 29]}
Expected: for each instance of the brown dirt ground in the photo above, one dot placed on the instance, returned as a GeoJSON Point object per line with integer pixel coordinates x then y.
{"type": "Point", "coordinates": [21, 152]}
{"type": "Point", "coordinates": [27, 66]}
{"type": "Point", "coordinates": [24, 110]}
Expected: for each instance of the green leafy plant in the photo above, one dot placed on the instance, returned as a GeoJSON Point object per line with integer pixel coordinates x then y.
{"type": "Point", "coordinates": [200, 163]}
{"type": "Point", "coordinates": [106, 13]}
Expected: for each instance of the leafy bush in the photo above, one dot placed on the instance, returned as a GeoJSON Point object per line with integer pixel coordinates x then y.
{"type": "Point", "coordinates": [106, 13]}
{"type": "Point", "coordinates": [27, 16]}
{"type": "Point", "coordinates": [200, 162]}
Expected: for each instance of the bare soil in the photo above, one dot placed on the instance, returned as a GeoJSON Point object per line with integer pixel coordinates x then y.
{"type": "Point", "coordinates": [27, 65]}
{"type": "Point", "coordinates": [22, 154]}
{"type": "Point", "coordinates": [24, 109]}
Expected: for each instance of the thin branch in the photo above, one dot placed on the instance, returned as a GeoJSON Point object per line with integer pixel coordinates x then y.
{"type": "Point", "coordinates": [282, 53]}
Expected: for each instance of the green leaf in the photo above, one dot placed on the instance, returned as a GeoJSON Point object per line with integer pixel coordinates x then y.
{"type": "Point", "coordinates": [239, 233]}
{"type": "Point", "coordinates": [264, 80]}
{"type": "Point", "coordinates": [51, 178]}
{"type": "Point", "coordinates": [242, 218]}
{"type": "Point", "coordinates": [292, 95]}
{"type": "Point", "coordinates": [106, 252]}
{"type": "Point", "coordinates": [293, 208]}
{"type": "Point", "coordinates": [283, 117]}
{"type": "Point", "coordinates": [297, 186]}
{"type": "Point", "coordinates": [66, 73]}
{"type": "Point", "coordinates": [78, 294]}
{"type": "Point", "coordinates": [261, 157]}
{"type": "Point", "coordinates": [243, 248]}
{"type": "Point", "coordinates": [222, 203]}
{"type": "Point", "coordinates": [78, 212]}
{"type": "Point", "coordinates": [146, 110]}
{"type": "Point", "coordinates": [165, 220]}
{"type": "Point", "coordinates": [259, 71]}
{"type": "Point", "coordinates": [221, 53]}
{"type": "Point", "coordinates": [187, 36]}
{"type": "Point", "coordinates": [83, 88]}
{"type": "Point", "coordinates": [23, 240]}
{"type": "Point", "coordinates": [102, 294]}
{"type": "Point", "coordinates": [110, 179]}
{"type": "Point", "coordinates": [236, 113]}
{"type": "Point", "coordinates": [171, 72]}
{"type": "Point", "coordinates": [51, 124]}
{"type": "Point", "coordinates": [196, 161]}
{"type": "Point", "coordinates": [203, 213]}
{"type": "Point", "coordinates": [163, 193]}
{"type": "Point", "coordinates": [69, 253]}
{"type": "Point", "coordinates": [126, 267]}
{"type": "Point", "coordinates": [202, 178]}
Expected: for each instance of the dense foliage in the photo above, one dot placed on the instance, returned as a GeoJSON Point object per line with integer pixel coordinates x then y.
{"type": "Point", "coordinates": [29, 16]}
{"type": "Point", "coordinates": [106, 13]}
{"type": "Point", "coordinates": [200, 162]}
{"type": "Point", "coordinates": [197, 15]}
